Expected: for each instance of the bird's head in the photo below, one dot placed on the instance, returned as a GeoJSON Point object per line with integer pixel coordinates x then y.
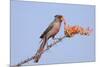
{"type": "Point", "coordinates": [60, 18]}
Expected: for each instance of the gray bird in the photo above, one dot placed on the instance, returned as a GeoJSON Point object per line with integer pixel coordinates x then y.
{"type": "Point", "coordinates": [51, 31]}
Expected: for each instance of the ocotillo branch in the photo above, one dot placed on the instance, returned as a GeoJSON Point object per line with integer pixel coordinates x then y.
{"type": "Point", "coordinates": [31, 58]}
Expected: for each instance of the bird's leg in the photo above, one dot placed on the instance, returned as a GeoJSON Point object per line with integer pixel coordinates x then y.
{"type": "Point", "coordinates": [54, 39]}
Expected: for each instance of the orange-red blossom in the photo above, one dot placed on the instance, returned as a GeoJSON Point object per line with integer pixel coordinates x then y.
{"type": "Point", "coordinates": [70, 31]}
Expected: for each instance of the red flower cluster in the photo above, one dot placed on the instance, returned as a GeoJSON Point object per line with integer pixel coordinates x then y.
{"type": "Point", "coordinates": [70, 31]}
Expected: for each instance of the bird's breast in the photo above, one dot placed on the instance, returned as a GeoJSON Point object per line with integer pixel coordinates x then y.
{"type": "Point", "coordinates": [55, 29]}
{"type": "Point", "coordinates": [56, 26]}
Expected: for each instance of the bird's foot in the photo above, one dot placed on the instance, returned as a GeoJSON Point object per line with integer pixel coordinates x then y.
{"type": "Point", "coordinates": [49, 46]}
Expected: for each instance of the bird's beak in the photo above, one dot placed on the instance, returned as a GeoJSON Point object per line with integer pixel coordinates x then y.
{"type": "Point", "coordinates": [63, 19]}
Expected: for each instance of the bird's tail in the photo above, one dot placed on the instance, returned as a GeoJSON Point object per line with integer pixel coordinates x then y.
{"type": "Point", "coordinates": [40, 50]}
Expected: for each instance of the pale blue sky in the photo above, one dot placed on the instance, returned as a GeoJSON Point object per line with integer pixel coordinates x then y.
{"type": "Point", "coordinates": [30, 19]}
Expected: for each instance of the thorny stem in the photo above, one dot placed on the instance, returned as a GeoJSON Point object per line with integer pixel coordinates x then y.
{"type": "Point", "coordinates": [31, 58]}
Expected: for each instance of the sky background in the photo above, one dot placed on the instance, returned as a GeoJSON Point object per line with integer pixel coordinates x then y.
{"type": "Point", "coordinates": [30, 19]}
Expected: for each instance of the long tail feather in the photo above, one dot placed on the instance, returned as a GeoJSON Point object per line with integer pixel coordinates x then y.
{"type": "Point", "coordinates": [39, 52]}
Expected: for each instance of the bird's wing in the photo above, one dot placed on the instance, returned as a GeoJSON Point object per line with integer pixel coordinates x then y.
{"type": "Point", "coordinates": [47, 30]}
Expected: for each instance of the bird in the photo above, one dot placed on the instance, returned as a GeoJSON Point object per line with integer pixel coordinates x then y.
{"type": "Point", "coordinates": [50, 32]}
